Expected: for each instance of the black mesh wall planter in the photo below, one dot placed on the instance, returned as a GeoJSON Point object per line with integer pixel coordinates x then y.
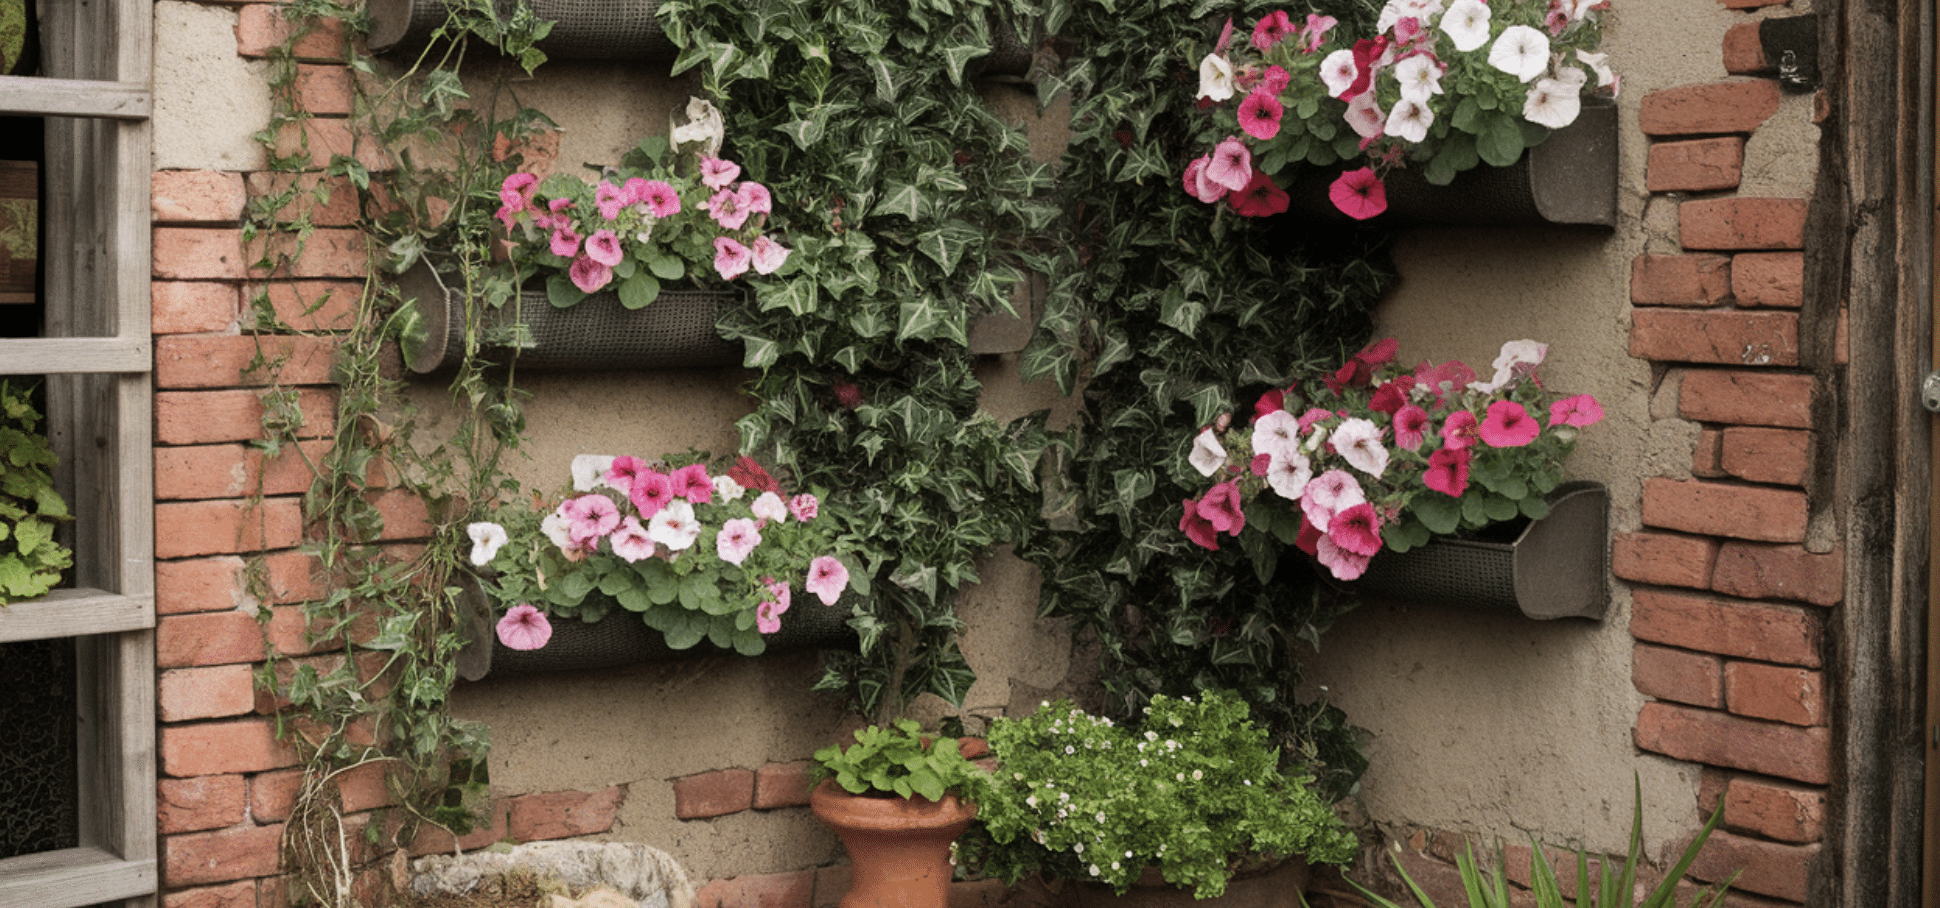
{"type": "Point", "coordinates": [1570, 179]}
{"type": "Point", "coordinates": [1549, 568]}
{"type": "Point", "coordinates": [674, 331]}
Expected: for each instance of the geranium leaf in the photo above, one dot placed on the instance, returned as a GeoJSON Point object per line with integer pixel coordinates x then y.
{"type": "Point", "coordinates": [639, 291]}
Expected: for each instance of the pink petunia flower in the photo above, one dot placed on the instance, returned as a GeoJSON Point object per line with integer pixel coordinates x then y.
{"type": "Point", "coordinates": [1231, 165]}
{"type": "Point", "coordinates": [1447, 471]}
{"type": "Point", "coordinates": [755, 198]}
{"type": "Point", "coordinates": [1581, 410]}
{"type": "Point", "coordinates": [1315, 32]}
{"type": "Point", "coordinates": [1458, 431]}
{"type": "Point", "coordinates": [1313, 415]}
{"type": "Point", "coordinates": [1275, 80]}
{"type": "Point", "coordinates": [827, 578]}
{"type": "Point", "coordinates": [1359, 194]}
{"type": "Point", "coordinates": [651, 490]}
{"type": "Point", "coordinates": [1259, 114]}
{"type": "Point", "coordinates": [624, 470]}
{"type": "Point", "coordinates": [1444, 380]}
{"type": "Point", "coordinates": [1271, 29]}
{"type": "Point", "coordinates": [604, 247]}
{"type": "Point", "coordinates": [767, 616]}
{"type": "Point", "coordinates": [1341, 562]}
{"type": "Point", "coordinates": [1410, 427]}
{"type": "Point", "coordinates": [731, 259]}
{"type": "Point", "coordinates": [659, 197]}
{"type": "Point", "coordinates": [805, 507]}
{"type": "Point", "coordinates": [631, 541]}
{"type": "Point", "coordinates": [727, 210]}
{"type": "Point", "coordinates": [1259, 198]}
{"type": "Point", "coordinates": [769, 506]}
{"type": "Point", "coordinates": [692, 483]}
{"type": "Point", "coordinates": [592, 516]}
{"type": "Point", "coordinates": [1356, 529]}
{"type": "Point", "coordinates": [1288, 476]}
{"type": "Point", "coordinates": [768, 255]}
{"type": "Point", "coordinates": [779, 591]}
{"type": "Point", "coordinates": [565, 240]}
{"type": "Point", "coordinates": [736, 540]}
{"type": "Point", "coordinates": [524, 628]}
{"type": "Point", "coordinates": [610, 199]}
{"type": "Point", "coordinates": [717, 173]}
{"type": "Point", "coordinates": [1328, 494]}
{"type": "Point", "coordinates": [589, 275]}
{"type": "Point", "coordinates": [1508, 425]}
{"type": "Point", "coordinates": [1221, 507]}
{"type": "Point", "coordinates": [1199, 185]}
{"type": "Point", "coordinates": [1197, 528]}
{"type": "Point", "coordinates": [516, 192]}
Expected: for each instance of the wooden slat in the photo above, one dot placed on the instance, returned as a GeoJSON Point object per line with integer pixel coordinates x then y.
{"type": "Point", "coordinates": [36, 96]}
{"type": "Point", "coordinates": [70, 355]}
{"type": "Point", "coordinates": [73, 877]}
{"type": "Point", "coordinates": [74, 613]}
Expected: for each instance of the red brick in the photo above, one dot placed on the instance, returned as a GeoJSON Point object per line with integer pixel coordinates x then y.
{"type": "Point", "coordinates": [314, 305]}
{"type": "Point", "coordinates": [337, 208]}
{"type": "Point", "coordinates": [1664, 559]}
{"type": "Point", "coordinates": [328, 252]}
{"type": "Point", "coordinates": [1783, 634]}
{"type": "Point", "coordinates": [1744, 54]}
{"type": "Point", "coordinates": [199, 253]}
{"type": "Point", "coordinates": [204, 802]}
{"type": "Point", "coordinates": [1780, 572]}
{"type": "Point", "coordinates": [209, 692]}
{"type": "Point", "coordinates": [794, 889]}
{"type": "Point", "coordinates": [202, 417]}
{"type": "Point", "coordinates": [1731, 338]}
{"type": "Point", "coordinates": [322, 139]}
{"type": "Point", "coordinates": [196, 197]}
{"type": "Point", "coordinates": [1765, 868]}
{"type": "Point", "coordinates": [1781, 693]}
{"type": "Point", "coordinates": [241, 894]}
{"type": "Point", "coordinates": [1694, 279]}
{"type": "Point", "coordinates": [564, 814]}
{"type": "Point", "coordinates": [323, 89]}
{"type": "Point", "coordinates": [1776, 456]}
{"type": "Point", "coordinates": [272, 795]}
{"type": "Point", "coordinates": [782, 785]}
{"type": "Point", "coordinates": [199, 585]}
{"type": "Point", "coordinates": [1757, 513]}
{"type": "Point", "coordinates": [230, 745]}
{"type": "Point", "coordinates": [1742, 223]}
{"type": "Point", "coordinates": [1721, 739]}
{"type": "Point", "coordinates": [237, 853]}
{"type": "Point", "coordinates": [291, 632]}
{"type": "Point", "coordinates": [1707, 456]}
{"type": "Point", "coordinates": [405, 515]}
{"type": "Point", "coordinates": [431, 839]}
{"type": "Point", "coordinates": [1713, 109]}
{"type": "Point", "coordinates": [713, 794]}
{"type": "Point", "coordinates": [190, 528]}
{"type": "Point", "coordinates": [205, 361]}
{"type": "Point", "coordinates": [363, 787]}
{"type": "Point", "coordinates": [1746, 398]}
{"type": "Point", "coordinates": [188, 307]}
{"type": "Point", "coordinates": [1697, 165]}
{"type": "Point", "coordinates": [261, 28]}
{"type": "Point", "coordinates": [1769, 279]}
{"type": "Point", "coordinates": [293, 577]}
{"type": "Point", "coordinates": [207, 638]}
{"type": "Point", "coordinates": [234, 470]}
{"type": "Point", "coordinates": [1775, 810]}
{"type": "Point", "coordinates": [1678, 675]}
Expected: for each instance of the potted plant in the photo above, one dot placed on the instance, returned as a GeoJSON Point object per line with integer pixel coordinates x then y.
{"type": "Point", "coordinates": [893, 797]}
{"type": "Point", "coordinates": [1381, 458]}
{"type": "Point", "coordinates": [31, 561]}
{"type": "Point", "coordinates": [1191, 799]}
{"type": "Point", "coordinates": [697, 551]}
{"type": "Point", "coordinates": [1441, 87]}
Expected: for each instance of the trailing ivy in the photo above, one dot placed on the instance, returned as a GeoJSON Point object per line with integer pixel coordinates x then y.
{"type": "Point", "coordinates": [1167, 313]}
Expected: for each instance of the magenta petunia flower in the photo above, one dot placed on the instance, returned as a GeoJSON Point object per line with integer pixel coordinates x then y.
{"type": "Point", "coordinates": [1447, 471]}
{"type": "Point", "coordinates": [1221, 507]}
{"type": "Point", "coordinates": [1458, 431]}
{"type": "Point", "coordinates": [565, 240]}
{"type": "Point", "coordinates": [631, 541]}
{"type": "Point", "coordinates": [651, 490]}
{"type": "Point", "coordinates": [736, 540]}
{"type": "Point", "coordinates": [692, 483]}
{"type": "Point", "coordinates": [805, 507]}
{"type": "Point", "coordinates": [1271, 29]}
{"type": "Point", "coordinates": [1231, 165]}
{"type": "Point", "coordinates": [1275, 80]}
{"type": "Point", "coordinates": [1410, 427]}
{"type": "Point", "coordinates": [1581, 410]}
{"type": "Point", "coordinates": [661, 199]}
{"type": "Point", "coordinates": [624, 470]}
{"type": "Point", "coordinates": [1357, 529]}
{"type": "Point", "coordinates": [516, 192]}
{"type": "Point", "coordinates": [610, 199]}
{"type": "Point", "coordinates": [731, 259]}
{"type": "Point", "coordinates": [1508, 425]}
{"type": "Point", "coordinates": [755, 198]}
{"type": "Point", "coordinates": [1259, 114]}
{"type": "Point", "coordinates": [718, 174]}
{"type": "Point", "coordinates": [1309, 536]}
{"type": "Point", "coordinates": [827, 578]}
{"type": "Point", "coordinates": [508, 216]}
{"type": "Point", "coordinates": [1391, 395]}
{"type": "Point", "coordinates": [1197, 528]}
{"type": "Point", "coordinates": [768, 255]}
{"type": "Point", "coordinates": [604, 247]}
{"type": "Point", "coordinates": [1315, 32]}
{"type": "Point", "coordinates": [727, 210]}
{"type": "Point", "coordinates": [589, 275]}
{"type": "Point", "coordinates": [1273, 401]}
{"type": "Point", "coordinates": [1359, 194]}
{"type": "Point", "coordinates": [1260, 197]}
{"type": "Point", "coordinates": [524, 628]}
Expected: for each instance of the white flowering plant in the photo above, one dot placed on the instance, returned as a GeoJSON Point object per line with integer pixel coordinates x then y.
{"type": "Point", "coordinates": [1443, 85]}
{"type": "Point", "coordinates": [1196, 792]}
{"type": "Point", "coordinates": [671, 211]}
{"type": "Point", "coordinates": [1380, 456]}
{"type": "Point", "coordinates": [698, 552]}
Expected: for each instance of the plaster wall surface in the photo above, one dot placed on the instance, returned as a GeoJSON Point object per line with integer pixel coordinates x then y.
{"type": "Point", "coordinates": [208, 101]}
{"type": "Point", "coordinates": [1497, 724]}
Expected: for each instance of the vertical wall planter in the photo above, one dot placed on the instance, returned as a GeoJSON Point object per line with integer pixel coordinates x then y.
{"type": "Point", "coordinates": [582, 29]}
{"type": "Point", "coordinates": [1551, 568]}
{"type": "Point", "coordinates": [1571, 178]}
{"type": "Point", "coordinates": [675, 331]}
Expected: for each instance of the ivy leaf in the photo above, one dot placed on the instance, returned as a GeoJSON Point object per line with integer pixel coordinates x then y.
{"type": "Point", "coordinates": [945, 245]}
{"type": "Point", "coordinates": [1180, 313]}
{"type": "Point", "coordinates": [805, 132]}
{"type": "Point", "coordinates": [919, 319]}
{"type": "Point", "coordinates": [903, 199]}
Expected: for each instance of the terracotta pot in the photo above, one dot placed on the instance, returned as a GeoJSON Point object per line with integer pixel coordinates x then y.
{"type": "Point", "coordinates": [899, 848]}
{"type": "Point", "coordinates": [1279, 886]}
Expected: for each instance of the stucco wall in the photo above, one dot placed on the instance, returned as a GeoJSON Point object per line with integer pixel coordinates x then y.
{"type": "Point", "coordinates": [1502, 725]}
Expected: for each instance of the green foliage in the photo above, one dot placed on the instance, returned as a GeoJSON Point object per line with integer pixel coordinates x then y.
{"type": "Point", "coordinates": [31, 561]}
{"type": "Point", "coordinates": [912, 210]}
{"type": "Point", "coordinates": [1610, 890]}
{"type": "Point", "coordinates": [1164, 312]}
{"type": "Point", "coordinates": [1196, 790]}
{"type": "Point", "coordinates": [898, 759]}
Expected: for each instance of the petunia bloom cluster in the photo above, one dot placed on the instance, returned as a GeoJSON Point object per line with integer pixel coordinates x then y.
{"type": "Point", "coordinates": [731, 544]}
{"type": "Point", "coordinates": [1446, 84]}
{"type": "Point", "coordinates": [660, 216]}
{"type": "Point", "coordinates": [1376, 456]}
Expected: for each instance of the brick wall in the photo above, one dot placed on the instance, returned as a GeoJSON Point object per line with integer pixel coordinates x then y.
{"type": "Point", "coordinates": [1730, 606]}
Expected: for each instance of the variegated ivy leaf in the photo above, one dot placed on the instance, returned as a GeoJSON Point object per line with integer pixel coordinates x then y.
{"type": "Point", "coordinates": [945, 245]}
{"type": "Point", "coordinates": [887, 85]}
{"type": "Point", "coordinates": [957, 56]}
{"type": "Point", "coordinates": [1208, 401]}
{"type": "Point", "coordinates": [1180, 313]}
{"type": "Point", "coordinates": [903, 199]}
{"type": "Point", "coordinates": [804, 132]}
{"type": "Point", "coordinates": [868, 321]}
{"type": "Point", "coordinates": [761, 352]}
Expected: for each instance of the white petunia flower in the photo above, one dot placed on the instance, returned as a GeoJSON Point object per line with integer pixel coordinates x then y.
{"type": "Point", "coordinates": [1420, 77]}
{"type": "Point", "coordinates": [1277, 435]}
{"type": "Point", "coordinates": [1338, 72]}
{"type": "Point", "coordinates": [1207, 455]}
{"type": "Point", "coordinates": [1289, 476]}
{"type": "Point", "coordinates": [1552, 103]}
{"type": "Point", "coordinates": [1522, 52]}
{"type": "Point", "coordinates": [704, 126]}
{"type": "Point", "coordinates": [589, 471]}
{"type": "Point", "coordinates": [1467, 24]}
{"type": "Point", "coordinates": [1358, 442]}
{"type": "Point", "coordinates": [1409, 121]}
{"type": "Point", "coordinates": [1366, 117]}
{"type": "Point", "coordinates": [1216, 78]}
{"type": "Point", "coordinates": [486, 539]}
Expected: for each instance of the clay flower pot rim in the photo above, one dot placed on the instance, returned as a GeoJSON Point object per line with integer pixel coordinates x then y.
{"type": "Point", "coordinates": [837, 806]}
